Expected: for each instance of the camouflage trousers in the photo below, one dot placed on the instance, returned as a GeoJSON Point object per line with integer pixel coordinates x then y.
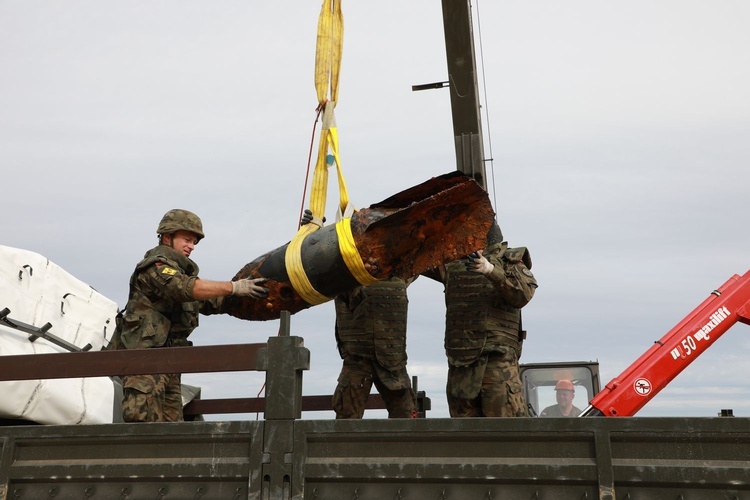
{"type": "Point", "coordinates": [354, 384]}
{"type": "Point", "coordinates": [152, 398]}
{"type": "Point", "coordinates": [489, 387]}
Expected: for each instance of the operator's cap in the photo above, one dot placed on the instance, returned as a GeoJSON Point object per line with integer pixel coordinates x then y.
{"type": "Point", "coordinates": [564, 384]}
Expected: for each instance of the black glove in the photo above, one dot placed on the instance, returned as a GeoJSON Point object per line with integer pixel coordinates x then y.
{"type": "Point", "coordinates": [308, 217]}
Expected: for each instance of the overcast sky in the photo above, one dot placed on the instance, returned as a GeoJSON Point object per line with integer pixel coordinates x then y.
{"type": "Point", "coordinates": [618, 133]}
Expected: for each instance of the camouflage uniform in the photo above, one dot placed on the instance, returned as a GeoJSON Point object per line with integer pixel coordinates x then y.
{"type": "Point", "coordinates": [483, 336]}
{"type": "Point", "coordinates": [160, 313]}
{"type": "Point", "coordinates": [371, 337]}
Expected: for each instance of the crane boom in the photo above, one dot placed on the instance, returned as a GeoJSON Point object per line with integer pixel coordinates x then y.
{"type": "Point", "coordinates": [624, 395]}
{"type": "Point", "coordinates": [462, 78]}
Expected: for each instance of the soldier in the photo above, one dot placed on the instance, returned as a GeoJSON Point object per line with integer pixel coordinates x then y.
{"type": "Point", "coordinates": [164, 301]}
{"type": "Point", "coordinates": [564, 393]}
{"type": "Point", "coordinates": [371, 338]}
{"type": "Point", "coordinates": [484, 294]}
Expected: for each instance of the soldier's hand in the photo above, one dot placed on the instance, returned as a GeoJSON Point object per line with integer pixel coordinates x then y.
{"type": "Point", "coordinates": [249, 287]}
{"type": "Point", "coordinates": [478, 263]}
{"type": "Point", "coordinates": [307, 218]}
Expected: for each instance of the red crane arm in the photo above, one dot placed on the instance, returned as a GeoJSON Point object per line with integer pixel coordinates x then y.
{"type": "Point", "coordinates": [624, 395]}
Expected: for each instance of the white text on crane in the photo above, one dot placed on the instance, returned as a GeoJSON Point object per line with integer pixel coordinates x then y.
{"type": "Point", "coordinates": [689, 343]}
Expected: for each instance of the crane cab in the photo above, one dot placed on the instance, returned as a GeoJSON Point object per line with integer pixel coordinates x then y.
{"type": "Point", "coordinates": [539, 380]}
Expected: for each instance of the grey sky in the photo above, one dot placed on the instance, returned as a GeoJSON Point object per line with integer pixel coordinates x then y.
{"type": "Point", "coordinates": [619, 134]}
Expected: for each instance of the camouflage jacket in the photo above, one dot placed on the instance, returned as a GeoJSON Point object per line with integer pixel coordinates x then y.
{"type": "Point", "coordinates": [483, 313]}
{"type": "Point", "coordinates": [161, 311]}
{"type": "Point", "coordinates": [371, 323]}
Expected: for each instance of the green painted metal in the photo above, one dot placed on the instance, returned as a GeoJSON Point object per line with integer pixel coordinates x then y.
{"type": "Point", "coordinates": [285, 457]}
{"type": "Point", "coordinates": [594, 458]}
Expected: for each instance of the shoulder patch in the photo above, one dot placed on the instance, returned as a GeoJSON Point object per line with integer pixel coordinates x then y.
{"type": "Point", "coordinates": [527, 272]}
{"type": "Point", "coordinates": [168, 270]}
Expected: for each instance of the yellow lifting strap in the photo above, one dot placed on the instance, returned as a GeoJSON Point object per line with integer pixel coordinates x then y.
{"type": "Point", "coordinates": [349, 253]}
{"type": "Point", "coordinates": [327, 67]}
{"type": "Point", "coordinates": [328, 50]}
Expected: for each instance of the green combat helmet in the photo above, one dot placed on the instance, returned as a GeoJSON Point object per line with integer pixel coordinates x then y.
{"type": "Point", "coordinates": [494, 235]}
{"type": "Point", "coordinates": [177, 219]}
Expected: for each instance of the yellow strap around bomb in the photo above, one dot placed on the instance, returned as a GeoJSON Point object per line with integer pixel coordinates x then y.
{"type": "Point", "coordinates": [297, 276]}
{"type": "Point", "coordinates": [349, 252]}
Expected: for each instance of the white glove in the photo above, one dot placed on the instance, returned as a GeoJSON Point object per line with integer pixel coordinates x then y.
{"type": "Point", "coordinates": [249, 288]}
{"type": "Point", "coordinates": [479, 264]}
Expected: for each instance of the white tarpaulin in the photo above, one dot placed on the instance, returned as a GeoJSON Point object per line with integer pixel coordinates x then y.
{"type": "Point", "coordinates": [37, 292]}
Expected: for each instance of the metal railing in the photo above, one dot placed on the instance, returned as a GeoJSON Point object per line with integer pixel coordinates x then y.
{"type": "Point", "coordinates": [283, 358]}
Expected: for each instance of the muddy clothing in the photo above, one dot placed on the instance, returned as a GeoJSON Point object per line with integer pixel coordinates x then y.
{"type": "Point", "coordinates": [152, 398]}
{"type": "Point", "coordinates": [371, 338]}
{"type": "Point", "coordinates": [483, 333]}
{"type": "Point", "coordinates": [500, 393]}
{"type": "Point", "coordinates": [355, 383]}
{"type": "Point", "coordinates": [555, 411]}
{"type": "Point", "coordinates": [160, 313]}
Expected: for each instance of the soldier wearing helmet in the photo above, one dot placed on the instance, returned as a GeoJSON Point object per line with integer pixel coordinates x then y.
{"type": "Point", "coordinates": [166, 296]}
{"type": "Point", "coordinates": [564, 393]}
{"type": "Point", "coordinates": [484, 294]}
{"type": "Point", "coordinates": [180, 220]}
